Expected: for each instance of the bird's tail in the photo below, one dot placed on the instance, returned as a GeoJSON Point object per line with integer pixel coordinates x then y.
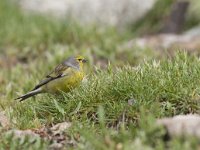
{"type": "Point", "coordinates": [29, 94]}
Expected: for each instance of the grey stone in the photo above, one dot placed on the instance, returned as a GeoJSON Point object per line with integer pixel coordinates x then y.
{"type": "Point", "coordinates": [112, 12]}
{"type": "Point", "coordinates": [182, 125]}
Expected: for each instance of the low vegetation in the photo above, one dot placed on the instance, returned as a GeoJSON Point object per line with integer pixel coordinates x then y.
{"type": "Point", "coordinates": [116, 106]}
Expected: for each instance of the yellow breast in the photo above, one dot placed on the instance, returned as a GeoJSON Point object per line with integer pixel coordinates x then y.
{"type": "Point", "coordinates": [65, 83]}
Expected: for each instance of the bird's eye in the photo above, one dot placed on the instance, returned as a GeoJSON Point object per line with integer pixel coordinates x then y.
{"type": "Point", "coordinates": [79, 59]}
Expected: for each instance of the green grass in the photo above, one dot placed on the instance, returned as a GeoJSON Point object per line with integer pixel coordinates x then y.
{"type": "Point", "coordinates": [99, 110]}
{"type": "Point", "coordinates": [165, 89]}
{"type": "Point", "coordinates": [99, 107]}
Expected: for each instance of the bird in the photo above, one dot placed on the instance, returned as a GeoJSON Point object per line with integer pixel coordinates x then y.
{"type": "Point", "coordinates": [66, 76]}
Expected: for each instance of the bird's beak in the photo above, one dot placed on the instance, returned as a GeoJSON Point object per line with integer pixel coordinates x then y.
{"type": "Point", "coordinates": [84, 61]}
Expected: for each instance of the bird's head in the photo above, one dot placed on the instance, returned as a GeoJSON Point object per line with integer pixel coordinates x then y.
{"type": "Point", "coordinates": [75, 62]}
{"type": "Point", "coordinates": [80, 59]}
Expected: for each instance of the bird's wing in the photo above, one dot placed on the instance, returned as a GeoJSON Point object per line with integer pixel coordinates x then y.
{"type": "Point", "coordinates": [57, 71]}
{"type": "Point", "coordinates": [55, 74]}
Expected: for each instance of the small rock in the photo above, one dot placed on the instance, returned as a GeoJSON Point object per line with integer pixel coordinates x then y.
{"type": "Point", "coordinates": [56, 146]}
{"type": "Point", "coordinates": [22, 133]}
{"type": "Point", "coordinates": [182, 125]}
{"type": "Point", "coordinates": [161, 41]}
{"type": "Point", "coordinates": [189, 41]}
{"type": "Point", "coordinates": [4, 121]}
{"type": "Point", "coordinates": [60, 127]}
{"type": "Point", "coordinates": [119, 146]}
{"type": "Point", "coordinates": [131, 102]}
